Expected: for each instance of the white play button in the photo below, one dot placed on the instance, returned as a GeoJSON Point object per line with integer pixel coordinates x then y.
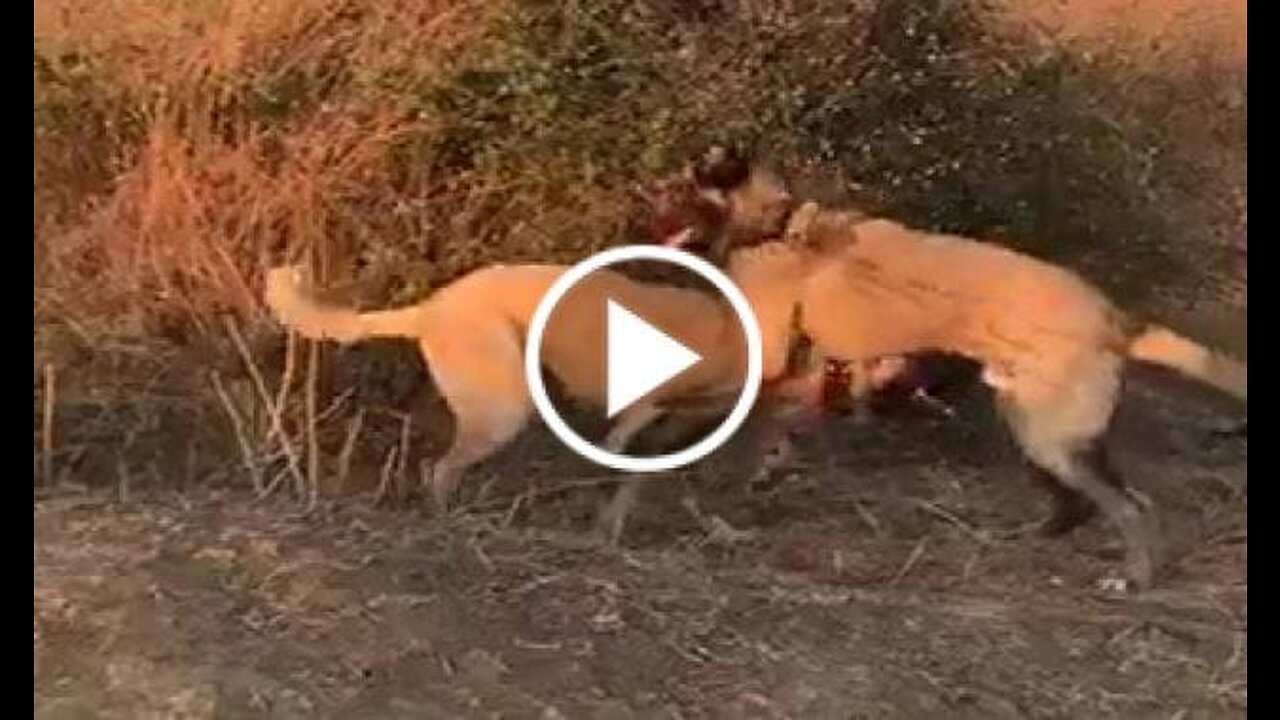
{"type": "Point", "coordinates": [640, 358]}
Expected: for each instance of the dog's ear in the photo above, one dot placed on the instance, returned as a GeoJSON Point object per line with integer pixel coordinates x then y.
{"type": "Point", "coordinates": [799, 224]}
{"type": "Point", "coordinates": [722, 167]}
{"type": "Point", "coordinates": [712, 200]}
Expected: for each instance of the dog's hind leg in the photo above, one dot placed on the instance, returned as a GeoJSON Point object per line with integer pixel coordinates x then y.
{"type": "Point", "coordinates": [1062, 434]}
{"type": "Point", "coordinates": [481, 376]}
{"type": "Point", "coordinates": [1082, 470]}
{"type": "Point", "coordinates": [1070, 508]}
{"type": "Point", "coordinates": [477, 435]}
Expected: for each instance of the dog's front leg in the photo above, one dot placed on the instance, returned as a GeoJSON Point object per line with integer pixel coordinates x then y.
{"type": "Point", "coordinates": [629, 424]}
{"type": "Point", "coordinates": [612, 518]}
{"type": "Point", "coordinates": [795, 402]}
{"type": "Point", "coordinates": [799, 400]}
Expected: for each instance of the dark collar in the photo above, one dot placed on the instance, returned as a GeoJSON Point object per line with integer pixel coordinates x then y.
{"type": "Point", "coordinates": [799, 344]}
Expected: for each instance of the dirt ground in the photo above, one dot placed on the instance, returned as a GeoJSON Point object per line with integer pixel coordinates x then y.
{"type": "Point", "coordinates": [879, 582]}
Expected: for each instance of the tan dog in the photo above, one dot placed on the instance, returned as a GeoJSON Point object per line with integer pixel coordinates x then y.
{"type": "Point", "coordinates": [1052, 346]}
{"type": "Point", "coordinates": [471, 335]}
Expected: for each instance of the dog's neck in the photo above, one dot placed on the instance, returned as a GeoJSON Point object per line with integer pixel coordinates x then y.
{"type": "Point", "coordinates": [692, 219]}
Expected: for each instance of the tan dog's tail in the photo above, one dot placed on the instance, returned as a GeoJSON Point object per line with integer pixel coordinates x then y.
{"type": "Point", "coordinates": [287, 297]}
{"type": "Point", "coordinates": [1162, 346]}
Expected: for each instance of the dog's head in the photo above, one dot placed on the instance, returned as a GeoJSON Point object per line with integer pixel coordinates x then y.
{"type": "Point", "coordinates": [755, 202]}
{"type": "Point", "coordinates": [723, 198]}
{"type": "Point", "coordinates": [676, 213]}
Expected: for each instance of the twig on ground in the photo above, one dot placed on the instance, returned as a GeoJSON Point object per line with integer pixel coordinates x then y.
{"type": "Point", "coordinates": [276, 427]}
{"type": "Point", "coordinates": [519, 501]}
{"type": "Point", "coordinates": [50, 402]}
{"type": "Point", "coordinates": [970, 564]}
{"type": "Point", "coordinates": [125, 479]}
{"type": "Point", "coordinates": [313, 442]}
{"type": "Point", "coordinates": [402, 460]}
{"type": "Point", "coordinates": [911, 561]}
{"type": "Point", "coordinates": [979, 535]}
{"type": "Point", "coordinates": [868, 518]}
{"type": "Point", "coordinates": [354, 426]}
{"type": "Point", "coordinates": [286, 379]}
{"type": "Point", "coordinates": [539, 492]}
{"type": "Point", "coordinates": [334, 406]}
{"type": "Point", "coordinates": [275, 483]}
{"type": "Point", "coordinates": [242, 435]}
{"type": "Point", "coordinates": [384, 477]}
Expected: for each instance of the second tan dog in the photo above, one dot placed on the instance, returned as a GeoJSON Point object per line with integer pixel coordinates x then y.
{"type": "Point", "coordinates": [1051, 345]}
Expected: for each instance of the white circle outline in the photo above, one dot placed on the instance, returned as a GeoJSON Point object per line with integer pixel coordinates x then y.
{"type": "Point", "coordinates": [627, 463]}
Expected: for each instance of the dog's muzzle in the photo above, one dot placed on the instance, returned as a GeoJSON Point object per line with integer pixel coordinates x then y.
{"type": "Point", "coordinates": [680, 239]}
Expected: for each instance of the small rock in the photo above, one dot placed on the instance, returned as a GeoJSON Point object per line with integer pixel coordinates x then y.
{"type": "Point", "coordinates": [1113, 585]}
{"type": "Point", "coordinates": [481, 665]}
{"type": "Point", "coordinates": [219, 555]}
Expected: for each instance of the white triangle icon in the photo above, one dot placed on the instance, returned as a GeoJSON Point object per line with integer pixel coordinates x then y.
{"type": "Point", "coordinates": [640, 358]}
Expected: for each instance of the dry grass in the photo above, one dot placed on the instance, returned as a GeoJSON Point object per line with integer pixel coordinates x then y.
{"type": "Point", "coordinates": [259, 130]}
{"type": "Point", "coordinates": [180, 147]}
